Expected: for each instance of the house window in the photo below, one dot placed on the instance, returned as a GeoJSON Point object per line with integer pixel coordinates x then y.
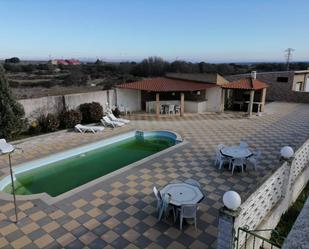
{"type": "Point", "coordinates": [298, 86]}
{"type": "Point", "coordinates": [283, 79]}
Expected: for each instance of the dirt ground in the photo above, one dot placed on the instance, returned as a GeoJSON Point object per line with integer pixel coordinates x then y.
{"type": "Point", "coordinates": [36, 92]}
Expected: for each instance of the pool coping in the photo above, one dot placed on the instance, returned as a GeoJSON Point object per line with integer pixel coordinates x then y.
{"type": "Point", "coordinates": [52, 200]}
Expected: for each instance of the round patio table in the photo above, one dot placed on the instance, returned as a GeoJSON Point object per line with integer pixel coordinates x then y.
{"type": "Point", "coordinates": [182, 193]}
{"type": "Point", "coordinates": [236, 152]}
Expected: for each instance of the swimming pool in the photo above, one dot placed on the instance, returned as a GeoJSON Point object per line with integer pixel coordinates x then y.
{"type": "Point", "coordinates": [67, 170]}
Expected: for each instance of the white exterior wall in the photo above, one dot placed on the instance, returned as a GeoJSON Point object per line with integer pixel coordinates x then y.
{"type": "Point", "coordinates": [195, 107]}
{"type": "Point", "coordinates": [72, 101]}
{"type": "Point", "coordinates": [213, 96]}
{"type": "Point", "coordinates": [129, 98]}
{"type": "Point", "coordinates": [53, 104]}
{"type": "Point", "coordinates": [37, 106]}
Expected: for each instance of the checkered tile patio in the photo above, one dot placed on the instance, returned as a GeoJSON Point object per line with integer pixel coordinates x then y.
{"type": "Point", "coordinates": [120, 212]}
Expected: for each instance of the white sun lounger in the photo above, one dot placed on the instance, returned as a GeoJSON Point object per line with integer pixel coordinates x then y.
{"type": "Point", "coordinates": [113, 118]}
{"type": "Point", "coordinates": [107, 122]}
{"type": "Point", "coordinates": [83, 128]}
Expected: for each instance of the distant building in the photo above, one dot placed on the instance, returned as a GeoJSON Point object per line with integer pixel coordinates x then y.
{"type": "Point", "coordinates": [73, 62]}
{"type": "Point", "coordinates": [65, 62]}
{"type": "Point", "coordinates": [291, 86]}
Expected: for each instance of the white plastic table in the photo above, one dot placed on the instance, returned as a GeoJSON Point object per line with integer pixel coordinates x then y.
{"type": "Point", "coordinates": [182, 193]}
{"type": "Point", "coordinates": [236, 152]}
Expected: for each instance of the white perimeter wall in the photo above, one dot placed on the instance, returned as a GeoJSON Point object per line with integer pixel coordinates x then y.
{"type": "Point", "coordinates": [53, 104]}
{"type": "Point", "coordinates": [131, 99]}
{"type": "Point", "coordinates": [37, 106]}
{"type": "Point", "coordinates": [213, 96]}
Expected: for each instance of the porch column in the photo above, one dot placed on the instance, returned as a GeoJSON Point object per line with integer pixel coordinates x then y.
{"type": "Point", "coordinates": [182, 104]}
{"type": "Point", "coordinates": [222, 100]}
{"type": "Point", "coordinates": [263, 97]}
{"type": "Point", "coordinates": [251, 103]}
{"type": "Point", "coordinates": [157, 105]}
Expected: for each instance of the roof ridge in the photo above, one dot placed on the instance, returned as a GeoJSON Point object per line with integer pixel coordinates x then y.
{"type": "Point", "coordinates": [194, 81]}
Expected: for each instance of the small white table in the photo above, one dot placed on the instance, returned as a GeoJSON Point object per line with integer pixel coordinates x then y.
{"type": "Point", "coordinates": [236, 152]}
{"type": "Point", "coordinates": [182, 193]}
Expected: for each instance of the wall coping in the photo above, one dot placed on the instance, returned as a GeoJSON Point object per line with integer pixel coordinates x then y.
{"type": "Point", "coordinates": [299, 234]}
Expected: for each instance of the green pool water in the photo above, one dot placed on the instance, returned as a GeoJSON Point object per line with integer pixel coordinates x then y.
{"type": "Point", "coordinates": [62, 176]}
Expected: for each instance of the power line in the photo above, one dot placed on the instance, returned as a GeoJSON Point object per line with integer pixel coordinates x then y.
{"type": "Point", "coordinates": [288, 56]}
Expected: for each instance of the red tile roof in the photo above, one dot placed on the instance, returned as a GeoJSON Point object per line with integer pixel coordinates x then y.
{"type": "Point", "coordinates": [246, 84]}
{"type": "Point", "coordinates": [164, 84]}
{"type": "Point", "coordinates": [73, 62]}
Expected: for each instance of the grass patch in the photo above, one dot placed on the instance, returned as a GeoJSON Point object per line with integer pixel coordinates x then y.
{"type": "Point", "coordinates": [289, 217]}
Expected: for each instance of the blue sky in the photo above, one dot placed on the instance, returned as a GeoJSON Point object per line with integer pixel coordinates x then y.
{"type": "Point", "coordinates": [196, 30]}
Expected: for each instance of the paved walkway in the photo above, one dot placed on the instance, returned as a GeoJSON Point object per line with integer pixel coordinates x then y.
{"type": "Point", "coordinates": [120, 212]}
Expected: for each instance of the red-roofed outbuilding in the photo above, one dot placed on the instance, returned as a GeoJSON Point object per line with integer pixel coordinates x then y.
{"type": "Point", "coordinates": [193, 94]}
{"type": "Point", "coordinates": [246, 92]}
{"type": "Point", "coordinates": [177, 94]}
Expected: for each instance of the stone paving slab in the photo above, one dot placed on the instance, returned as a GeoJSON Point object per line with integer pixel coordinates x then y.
{"type": "Point", "coordinates": [120, 212]}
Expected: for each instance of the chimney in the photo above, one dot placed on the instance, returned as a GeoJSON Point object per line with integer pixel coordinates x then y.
{"type": "Point", "coordinates": [253, 75]}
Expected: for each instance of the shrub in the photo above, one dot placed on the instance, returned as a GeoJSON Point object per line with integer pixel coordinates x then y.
{"type": "Point", "coordinates": [34, 128]}
{"type": "Point", "coordinates": [70, 118]}
{"type": "Point", "coordinates": [11, 112]}
{"type": "Point", "coordinates": [116, 112]}
{"type": "Point", "coordinates": [91, 112]}
{"type": "Point", "coordinates": [48, 122]}
{"type": "Point", "coordinates": [12, 60]}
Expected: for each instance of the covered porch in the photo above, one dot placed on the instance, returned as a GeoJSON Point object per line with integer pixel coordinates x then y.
{"type": "Point", "coordinates": [166, 96]}
{"type": "Point", "coordinates": [246, 95]}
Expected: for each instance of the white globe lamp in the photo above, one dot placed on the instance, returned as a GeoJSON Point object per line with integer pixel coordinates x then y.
{"type": "Point", "coordinates": [231, 200]}
{"type": "Point", "coordinates": [286, 152]}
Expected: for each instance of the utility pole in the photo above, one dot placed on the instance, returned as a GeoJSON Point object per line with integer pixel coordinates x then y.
{"type": "Point", "coordinates": [288, 56]}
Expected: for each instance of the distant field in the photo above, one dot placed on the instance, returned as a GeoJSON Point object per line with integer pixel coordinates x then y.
{"type": "Point", "coordinates": [40, 83]}
{"type": "Point", "coordinates": [36, 92]}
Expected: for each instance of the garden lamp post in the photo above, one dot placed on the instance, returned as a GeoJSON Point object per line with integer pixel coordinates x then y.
{"type": "Point", "coordinates": [227, 218]}
{"type": "Point", "coordinates": [287, 153]}
{"type": "Point", "coordinates": [231, 200]}
{"type": "Point", "coordinates": [6, 148]}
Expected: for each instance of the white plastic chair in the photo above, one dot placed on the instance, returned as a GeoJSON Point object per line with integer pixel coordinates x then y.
{"type": "Point", "coordinates": [159, 199]}
{"type": "Point", "coordinates": [171, 109]}
{"type": "Point", "coordinates": [177, 109]}
{"type": "Point", "coordinates": [218, 153]}
{"type": "Point", "coordinates": [162, 109]}
{"type": "Point", "coordinates": [254, 159]}
{"type": "Point", "coordinates": [188, 211]}
{"type": "Point", "coordinates": [193, 182]}
{"type": "Point", "coordinates": [127, 110]}
{"type": "Point", "coordinates": [166, 207]}
{"type": "Point", "coordinates": [221, 159]}
{"type": "Point", "coordinates": [238, 162]}
{"type": "Point", "coordinates": [243, 144]}
{"type": "Point", "coordinates": [220, 146]}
